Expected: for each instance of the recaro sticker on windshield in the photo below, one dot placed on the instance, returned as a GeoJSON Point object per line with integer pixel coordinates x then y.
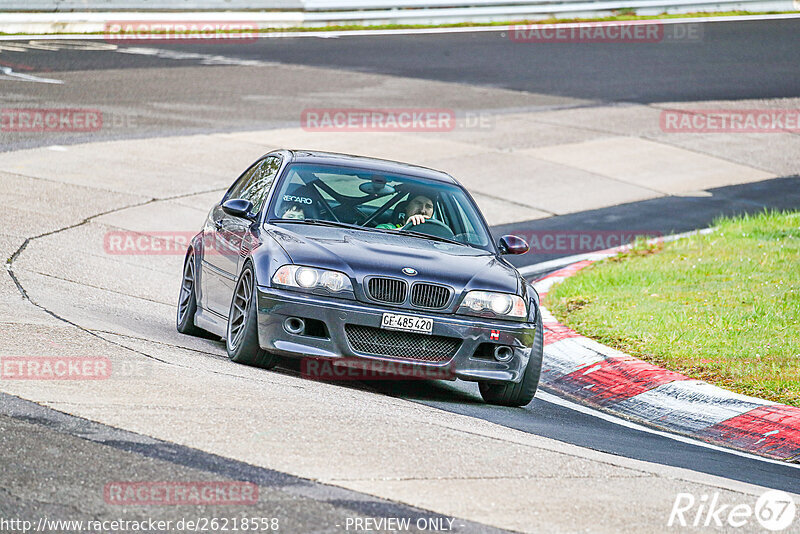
{"type": "Point", "coordinates": [300, 200]}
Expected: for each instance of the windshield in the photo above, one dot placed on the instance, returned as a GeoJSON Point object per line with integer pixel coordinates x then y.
{"type": "Point", "coordinates": [360, 197]}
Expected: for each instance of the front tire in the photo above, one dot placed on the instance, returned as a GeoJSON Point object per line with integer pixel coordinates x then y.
{"type": "Point", "coordinates": [522, 392]}
{"type": "Point", "coordinates": [241, 341]}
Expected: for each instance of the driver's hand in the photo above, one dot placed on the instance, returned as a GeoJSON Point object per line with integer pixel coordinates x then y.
{"type": "Point", "coordinates": [416, 219]}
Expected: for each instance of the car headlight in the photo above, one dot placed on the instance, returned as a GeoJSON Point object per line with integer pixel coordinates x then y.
{"type": "Point", "coordinates": [312, 278]}
{"type": "Point", "coordinates": [491, 304]}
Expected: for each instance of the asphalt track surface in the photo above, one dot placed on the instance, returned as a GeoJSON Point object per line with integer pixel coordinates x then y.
{"type": "Point", "coordinates": [753, 59]}
{"type": "Point", "coordinates": [737, 60]}
{"type": "Point", "coordinates": [81, 450]}
{"type": "Point", "coordinates": [733, 60]}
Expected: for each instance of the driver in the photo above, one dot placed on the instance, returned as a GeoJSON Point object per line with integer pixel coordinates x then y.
{"type": "Point", "coordinates": [292, 210]}
{"type": "Point", "coordinates": [418, 210]}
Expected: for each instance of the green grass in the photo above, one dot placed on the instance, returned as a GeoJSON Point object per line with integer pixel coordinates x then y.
{"type": "Point", "coordinates": [723, 307]}
{"type": "Point", "coordinates": [622, 15]}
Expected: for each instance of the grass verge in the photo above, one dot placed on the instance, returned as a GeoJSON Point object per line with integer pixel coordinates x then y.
{"type": "Point", "coordinates": [722, 307]}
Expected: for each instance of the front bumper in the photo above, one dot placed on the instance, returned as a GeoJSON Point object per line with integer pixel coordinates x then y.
{"type": "Point", "coordinates": [276, 305]}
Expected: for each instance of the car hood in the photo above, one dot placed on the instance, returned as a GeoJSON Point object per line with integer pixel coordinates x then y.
{"type": "Point", "coordinates": [360, 253]}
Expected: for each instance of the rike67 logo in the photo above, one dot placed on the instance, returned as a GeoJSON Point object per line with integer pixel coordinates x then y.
{"type": "Point", "coordinates": [774, 511]}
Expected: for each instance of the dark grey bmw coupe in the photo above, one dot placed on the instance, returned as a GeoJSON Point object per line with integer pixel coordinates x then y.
{"type": "Point", "coordinates": [349, 261]}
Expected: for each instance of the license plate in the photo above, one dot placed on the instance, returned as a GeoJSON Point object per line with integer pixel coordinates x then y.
{"type": "Point", "coordinates": [406, 323]}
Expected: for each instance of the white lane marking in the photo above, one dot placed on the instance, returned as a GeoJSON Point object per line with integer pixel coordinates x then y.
{"type": "Point", "coordinates": [55, 46]}
{"type": "Point", "coordinates": [204, 59]}
{"type": "Point", "coordinates": [9, 74]}
{"type": "Point", "coordinates": [543, 286]}
{"type": "Point", "coordinates": [57, 148]}
{"type": "Point", "coordinates": [558, 401]}
{"type": "Point", "coordinates": [416, 31]}
{"type": "Point", "coordinates": [14, 47]}
{"type": "Point", "coordinates": [558, 263]}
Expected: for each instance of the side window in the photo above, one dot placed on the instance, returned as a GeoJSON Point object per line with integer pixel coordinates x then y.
{"type": "Point", "coordinates": [242, 183]}
{"type": "Point", "coordinates": [254, 185]}
{"type": "Point", "coordinates": [262, 181]}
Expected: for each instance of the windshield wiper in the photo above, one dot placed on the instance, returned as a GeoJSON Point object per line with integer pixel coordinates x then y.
{"type": "Point", "coordinates": [320, 222]}
{"type": "Point", "coordinates": [433, 237]}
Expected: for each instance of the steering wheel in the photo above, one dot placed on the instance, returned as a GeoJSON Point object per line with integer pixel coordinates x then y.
{"type": "Point", "coordinates": [431, 227]}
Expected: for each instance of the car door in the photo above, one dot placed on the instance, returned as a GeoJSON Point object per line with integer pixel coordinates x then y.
{"type": "Point", "coordinates": [228, 232]}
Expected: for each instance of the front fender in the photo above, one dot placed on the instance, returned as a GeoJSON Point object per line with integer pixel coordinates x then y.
{"type": "Point", "coordinates": [196, 244]}
{"type": "Point", "coordinates": [267, 258]}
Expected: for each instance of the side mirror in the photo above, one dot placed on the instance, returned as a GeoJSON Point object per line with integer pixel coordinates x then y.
{"type": "Point", "coordinates": [511, 244]}
{"type": "Point", "coordinates": [238, 207]}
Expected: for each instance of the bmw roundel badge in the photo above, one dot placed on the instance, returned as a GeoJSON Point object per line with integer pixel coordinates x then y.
{"type": "Point", "coordinates": [409, 271]}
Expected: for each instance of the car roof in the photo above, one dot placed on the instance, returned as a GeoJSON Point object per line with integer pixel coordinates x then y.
{"type": "Point", "coordinates": [372, 164]}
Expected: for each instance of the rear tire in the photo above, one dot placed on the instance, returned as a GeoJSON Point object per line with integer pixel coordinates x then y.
{"type": "Point", "coordinates": [187, 300]}
{"type": "Point", "coordinates": [522, 392]}
{"type": "Point", "coordinates": [241, 341]}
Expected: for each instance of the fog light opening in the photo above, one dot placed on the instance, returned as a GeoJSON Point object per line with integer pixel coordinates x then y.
{"type": "Point", "coordinates": [503, 353]}
{"type": "Point", "coordinates": [294, 325]}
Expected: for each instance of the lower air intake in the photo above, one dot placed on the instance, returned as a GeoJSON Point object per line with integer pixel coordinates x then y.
{"type": "Point", "coordinates": [405, 345]}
